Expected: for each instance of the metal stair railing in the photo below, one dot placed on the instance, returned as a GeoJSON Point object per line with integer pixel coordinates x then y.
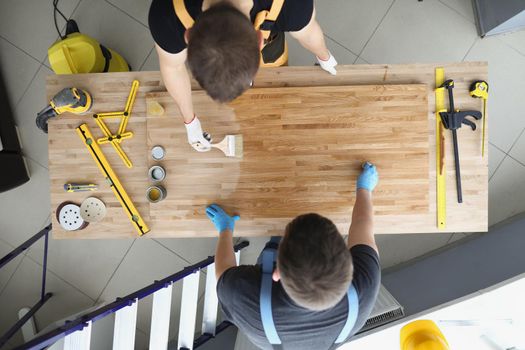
{"type": "Point", "coordinates": [43, 295]}
{"type": "Point", "coordinates": [77, 332]}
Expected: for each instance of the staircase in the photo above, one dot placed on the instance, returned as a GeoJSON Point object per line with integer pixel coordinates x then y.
{"type": "Point", "coordinates": [76, 333]}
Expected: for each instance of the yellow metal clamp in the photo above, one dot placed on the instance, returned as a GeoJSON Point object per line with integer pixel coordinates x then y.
{"type": "Point", "coordinates": [441, 193]}
{"type": "Point", "coordinates": [119, 191]}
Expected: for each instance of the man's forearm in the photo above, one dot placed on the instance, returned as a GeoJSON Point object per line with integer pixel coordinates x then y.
{"type": "Point", "coordinates": [362, 227]}
{"type": "Point", "coordinates": [178, 84]}
{"type": "Point", "coordinates": [224, 254]}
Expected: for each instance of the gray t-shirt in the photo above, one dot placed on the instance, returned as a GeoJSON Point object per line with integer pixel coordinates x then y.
{"type": "Point", "coordinates": [239, 287]}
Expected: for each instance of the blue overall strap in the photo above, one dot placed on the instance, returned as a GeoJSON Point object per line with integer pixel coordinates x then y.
{"type": "Point", "coordinates": [353, 312]}
{"type": "Point", "coordinates": [268, 259]}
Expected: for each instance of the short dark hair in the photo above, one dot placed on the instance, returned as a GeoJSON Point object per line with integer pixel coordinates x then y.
{"type": "Point", "coordinates": [223, 52]}
{"type": "Point", "coordinates": [314, 262]}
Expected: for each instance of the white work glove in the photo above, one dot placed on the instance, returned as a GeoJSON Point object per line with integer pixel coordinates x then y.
{"type": "Point", "coordinates": [329, 64]}
{"type": "Point", "coordinates": [195, 136]}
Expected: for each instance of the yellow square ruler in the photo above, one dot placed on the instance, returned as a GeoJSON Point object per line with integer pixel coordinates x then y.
{"type": "Point", "coordinates": [116, 139]}
{"type": "Point", "coordinates": [441, 192]}
{"type": "Point", "coordinates": [119, 191]}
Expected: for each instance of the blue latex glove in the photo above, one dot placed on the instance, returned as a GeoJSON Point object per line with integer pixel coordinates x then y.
{"type": "Point", "coordinates": [368, 178]}
{"type": "Point", "coordinates": [220, 219]}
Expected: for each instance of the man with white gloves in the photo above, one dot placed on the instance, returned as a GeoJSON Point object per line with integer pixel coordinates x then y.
{"type": "Point", "coordinates": [223, 43]}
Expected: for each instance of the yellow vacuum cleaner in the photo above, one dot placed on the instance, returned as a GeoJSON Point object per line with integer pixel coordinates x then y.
{"type": "Point", "coordinates": [78, 53]}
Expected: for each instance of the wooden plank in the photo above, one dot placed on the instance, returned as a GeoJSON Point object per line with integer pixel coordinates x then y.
{"type": "Point", "coordinates": [69, 162]}
{"type": "Point", "coordinates": [303, 150]}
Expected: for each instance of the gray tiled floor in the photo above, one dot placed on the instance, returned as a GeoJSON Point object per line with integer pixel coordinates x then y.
{"type": "Point", "coordinates": [357, 31]}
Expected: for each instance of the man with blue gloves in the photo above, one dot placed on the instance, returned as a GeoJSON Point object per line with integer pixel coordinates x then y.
{"type": "Point", "coordinates": [310, 290]}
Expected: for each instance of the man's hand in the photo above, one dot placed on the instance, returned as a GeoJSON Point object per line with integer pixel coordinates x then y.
{"type": "Point", "coordinates": [368, 178]}
{"type": "Point", "coordinates": [220, 219]}
{"type": "Point", "coordinates": [196, 136]}
{"type": "Point", "coordinates": [329, 64]}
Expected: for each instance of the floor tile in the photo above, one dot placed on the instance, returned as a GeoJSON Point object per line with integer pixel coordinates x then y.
{"type": "Point", "coordinates": [18, 69]}
{"type": "Point", "coordinates": [299, 56]}
{"type": "Point", "coordinates": [152, 62]}
{"type": "Point", "coordinates": [87, 264]}
{"type": "Point", "coordinates": [518, 150]}
{"type": "Point", "coordinates": [495, 158]}
{"type": "Point", "coordinates": [516, 40]}
{"type": "Point", "coordinates": [24, 290]}
{"type": "Point", "coordinates": [360, 60]}
{"type": "Point", "coordinates": [351, 22]}
{"type": "Point", "coordinates": [7, 271]}
{"type": "Point", "coordinates": [115, 30]}
{"type": "Point", "coordinates": [457, 237]}
{"type": "Point", "coordinates": [137, 9]}
{"type": "Point", "coordinates": [507, 83]}
{"type": "Point", "coordinates": [146, 262]}
{"type": "Point", "coordinates": [396, 249]}
{"type": "Point", "coordinates": [417, 32]}
{"type": "Point", "coordinates": [34, 141]}
{"type": "Point", "coordinates": [464, 7]}
{"type": "Point", "coordinates": [192, 250]}
{"type": "Point", "coordinates": [29, 24]}
{"type": "Point", "coordinates": [25, 208]}
{"type": "Point", "coordinates": [250, 254]}
{"type": "Point", "coordinates": [507, 191]}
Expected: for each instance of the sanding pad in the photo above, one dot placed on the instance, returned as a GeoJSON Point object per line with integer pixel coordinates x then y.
{"type": "Point", "coordinates": [92, 209]}
{"type": "Point", "coordinates": [68, 215]}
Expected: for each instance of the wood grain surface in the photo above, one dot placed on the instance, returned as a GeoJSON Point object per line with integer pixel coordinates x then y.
{"type": "Point", "coordinates": [303, 150]}
{"type": "Point", "coordinates": [69, 161]}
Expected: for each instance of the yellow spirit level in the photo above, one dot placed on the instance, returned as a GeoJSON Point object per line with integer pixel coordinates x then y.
{"type": "Point", "coordinates": [95, 151]}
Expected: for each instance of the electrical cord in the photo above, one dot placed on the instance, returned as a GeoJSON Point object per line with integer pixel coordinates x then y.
{"type": "Point", "coordinates": [55, 10]}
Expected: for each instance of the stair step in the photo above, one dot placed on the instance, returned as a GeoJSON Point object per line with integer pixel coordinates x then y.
{"type": "Point", "coordinates": [79, 340]}
{"type": "Point", "coordinates": [125, 326]}
{"type": "Point", "coordinates": [211, 303]}
{"type": "Point", "coordinates": [188, 310]}
{"type": "Point", "coordinates": [160, 319]}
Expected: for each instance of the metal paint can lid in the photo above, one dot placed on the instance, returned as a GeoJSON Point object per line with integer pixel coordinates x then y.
{"type": "Point", "coordinates": [157, 173]}
{"type": "Point", "coordinates": [158, 153]}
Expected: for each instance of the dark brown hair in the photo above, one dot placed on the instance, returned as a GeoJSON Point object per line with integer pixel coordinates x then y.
{"type": "Point", "coordinates": [223, 52]}
{"type": "Point", "coordinates": [314, 262]}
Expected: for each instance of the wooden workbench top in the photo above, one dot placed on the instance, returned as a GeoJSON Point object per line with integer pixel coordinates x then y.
{"type": "Point", "coordinates": [69, 160]}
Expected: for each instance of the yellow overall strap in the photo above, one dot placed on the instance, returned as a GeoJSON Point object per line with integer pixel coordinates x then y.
{"type": "Point", "coordinates": [264, 15]}
{"type": "Point", "coordinates": [183, 14]}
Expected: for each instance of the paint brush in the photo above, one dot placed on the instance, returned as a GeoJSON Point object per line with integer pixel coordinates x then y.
{"type": "Point", "coordinates": [231, 146]}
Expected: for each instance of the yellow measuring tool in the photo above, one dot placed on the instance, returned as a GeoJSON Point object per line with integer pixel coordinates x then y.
{"type": "Point", "coordinates": [441, 192]}
{"type": "Point", "coordinates": [116, 139]}
{"type": "Point", "coordinates": [132, 212]}
{"type": "Point", "coordinates": [480, 89]}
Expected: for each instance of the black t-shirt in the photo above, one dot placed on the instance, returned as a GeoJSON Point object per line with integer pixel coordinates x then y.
{"type": "Point", "coordinates": [168, 31]}
{"type": "Point", "coordinates": [239, 287]}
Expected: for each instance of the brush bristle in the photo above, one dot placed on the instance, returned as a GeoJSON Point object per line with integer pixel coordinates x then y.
{"type": "Point", "coordinates": [238, 146]}
{"type": "Point", "coordinates": [233, 147]}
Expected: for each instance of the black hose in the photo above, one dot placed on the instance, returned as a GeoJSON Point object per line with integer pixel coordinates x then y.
{"type": "Point", "coordinates": [55, 10]}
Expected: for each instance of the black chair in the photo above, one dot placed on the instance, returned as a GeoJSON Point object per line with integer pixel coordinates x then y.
{"type": "Point", "coordinates": [13, 171]}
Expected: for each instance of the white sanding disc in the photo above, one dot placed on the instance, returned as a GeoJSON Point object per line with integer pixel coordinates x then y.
{"type": "Point", "coordinates": [69, 217]}
{"type": "Point", "coordinates": [92, 209]}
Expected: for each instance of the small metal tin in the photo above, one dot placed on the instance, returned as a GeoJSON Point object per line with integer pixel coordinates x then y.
{"type": "Point", "coordinates": [156, 173]}
{"type": "Point", "coordinates": [158, 153]}
{"type": "Point", "coordinates": [155, 193]}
